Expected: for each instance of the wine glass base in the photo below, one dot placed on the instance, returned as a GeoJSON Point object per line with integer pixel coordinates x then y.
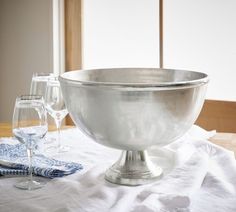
{"type": "Point", "coordinates": [30, 185]}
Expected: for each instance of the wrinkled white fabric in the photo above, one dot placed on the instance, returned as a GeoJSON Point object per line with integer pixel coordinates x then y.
{"type": "Point", "coordinates": [198, 177]}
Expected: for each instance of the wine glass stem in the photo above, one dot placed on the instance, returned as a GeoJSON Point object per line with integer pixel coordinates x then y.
{"type": "Point", "coordinates": [58, 125]}
{"type": "Point", "coordinates": [30, 155]}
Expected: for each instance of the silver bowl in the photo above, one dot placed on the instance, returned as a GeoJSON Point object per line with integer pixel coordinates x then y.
{"type": "Point", "coordinates": [132, 109]}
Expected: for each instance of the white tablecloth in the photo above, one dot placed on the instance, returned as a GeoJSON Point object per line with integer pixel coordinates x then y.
{"type": "Point", "coordinates": [199, 177]}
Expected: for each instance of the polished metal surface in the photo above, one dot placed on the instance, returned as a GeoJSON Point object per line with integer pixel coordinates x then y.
{"type": "Point", "coordinates": [133, 108]}
{"type": "Point", "coordinates": [133, 168]}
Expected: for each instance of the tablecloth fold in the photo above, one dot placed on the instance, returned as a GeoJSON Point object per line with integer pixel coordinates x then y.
{"type": "Point", "coordinates": [198, 177]}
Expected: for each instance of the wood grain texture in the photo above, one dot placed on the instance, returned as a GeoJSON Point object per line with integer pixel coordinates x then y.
{"type": "Point", "coordinates": [73, 34]}
{"type": "Point", "coordinates": [218, 115]}
{"type": "Point", "coordinates": [5, 130]}
{"type": "Point", "coordinates": [161, 40]}
{"type": "Point", "coordinates": [73, 38]}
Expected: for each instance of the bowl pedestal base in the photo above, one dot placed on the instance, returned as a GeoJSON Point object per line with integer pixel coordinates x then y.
{"type": "Point", "coordinates": [133, 168]}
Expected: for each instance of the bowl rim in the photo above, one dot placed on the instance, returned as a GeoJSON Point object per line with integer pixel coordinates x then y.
{"type": "Point", "coordinates": [190, 83]}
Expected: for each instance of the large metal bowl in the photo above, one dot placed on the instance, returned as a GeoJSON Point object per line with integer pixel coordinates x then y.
{"type": "Point", "coordinates": [132, 109]}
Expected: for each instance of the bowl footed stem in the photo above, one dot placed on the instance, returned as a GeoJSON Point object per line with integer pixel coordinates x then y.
{"type": "Point", "coordinates": [133, 168]}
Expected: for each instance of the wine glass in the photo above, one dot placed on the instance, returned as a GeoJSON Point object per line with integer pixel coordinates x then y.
{"type": "Point", "coordinates": [29, 126]}
{"type": "Point", "coordinates": [56, 108]}
{"type": "Point", "coordinates": [39, 83]}
{"type": "Point", "coordinates": [38, 87]}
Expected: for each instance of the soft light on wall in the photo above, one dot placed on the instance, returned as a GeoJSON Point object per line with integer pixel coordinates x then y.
{"type": "Point", "coordinates": [198, 35]}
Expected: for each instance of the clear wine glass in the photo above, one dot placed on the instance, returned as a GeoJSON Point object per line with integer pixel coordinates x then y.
{"type": "Point", "coordinates": [39, 83]}
{"type": "Point", "coordinates": [38, 87]}
{"type": "Point", "coordinates": [29, 127]}
{"type": "Point", "coordinates": [56, 108]}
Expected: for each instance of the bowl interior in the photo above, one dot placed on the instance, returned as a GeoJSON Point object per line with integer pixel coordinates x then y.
{"type": "Point", "coordinates": [135, 76]}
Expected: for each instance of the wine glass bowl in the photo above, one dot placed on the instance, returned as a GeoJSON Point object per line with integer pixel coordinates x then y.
{"type": "Point", "coordinates": [133, 109]}
{"type": "Point", "coordinates": [38, 87]}
{"type": "Point", "coordinates": [39, 83]}
{"type": "Point", "coordinates": [56, 108]}
{"type": "Point", "coordinates": [29, 127]}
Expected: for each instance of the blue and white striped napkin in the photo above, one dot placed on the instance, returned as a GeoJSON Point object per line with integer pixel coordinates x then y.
{"type": "Point", "coordinates": [14, 161]}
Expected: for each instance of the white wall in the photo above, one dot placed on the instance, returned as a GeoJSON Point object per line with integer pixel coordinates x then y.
{"type": "Point", "coordinates": [25, 47]}
{"type": "Point", "coordinates": [120, 33]}
{"type": "Point", "coordinates": [198, 35]}
{"type": "Point", "coordinates": [201, 35]}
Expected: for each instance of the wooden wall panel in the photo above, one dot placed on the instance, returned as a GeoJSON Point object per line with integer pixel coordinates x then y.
{"type": "Point", "coordinates": [73, 34]}
{"type": "Point", "coordinates": [73, 38]}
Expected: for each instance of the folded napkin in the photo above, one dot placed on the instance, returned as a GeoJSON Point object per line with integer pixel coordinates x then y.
{"type": "Point", "coordinates": [14, 161]}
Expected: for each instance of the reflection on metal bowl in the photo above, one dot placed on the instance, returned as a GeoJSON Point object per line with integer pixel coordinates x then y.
{"type": "Point", "coordinates": [132, 109]}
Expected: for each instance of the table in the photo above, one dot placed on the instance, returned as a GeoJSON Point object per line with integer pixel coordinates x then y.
{"type": "Point", "coordinates": [226, 140]}
{"type": "Point", "coordinates": [6, 129]}
{"type": "Point", "coordinates": [88, 191]}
